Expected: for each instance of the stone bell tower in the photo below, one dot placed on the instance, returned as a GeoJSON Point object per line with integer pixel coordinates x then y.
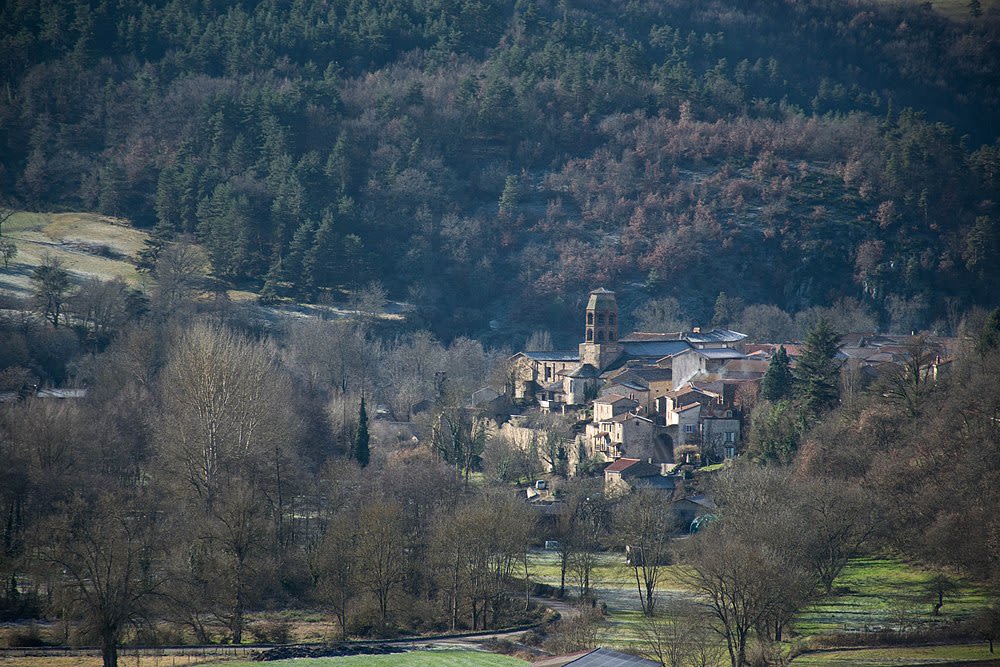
{"type": "Point", "coordinates": [601, 347]}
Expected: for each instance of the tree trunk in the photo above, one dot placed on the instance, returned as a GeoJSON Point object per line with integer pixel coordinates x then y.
{"type": "Point", "coordinates": [109, 649]}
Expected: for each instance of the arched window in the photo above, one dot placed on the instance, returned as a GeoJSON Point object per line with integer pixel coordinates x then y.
{"type": "Point", "coordinates": [600, 318]}
{"type": "Point", "coordinates": [590, 318]}
{"type": "Point", "coordinates": [590, 335]}
{"type": "Point", "coordinates": [600, 336]}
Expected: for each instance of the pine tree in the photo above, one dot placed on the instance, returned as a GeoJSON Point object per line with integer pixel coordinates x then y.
{"type": "Point", "coordinates": [727, 310]}
{"type": "Point", "coordinates": [817, 372]}
{"type": "Point", "coordinates": [322, 262]}
{"type": "Point", "coordinates": [362, 454]}
{"type": "Point", "coordinates": [777, 383]}
{"type": "Point", "coordinates": [990, 338]}
{"type": "Point", "coordinates": [509, 196]}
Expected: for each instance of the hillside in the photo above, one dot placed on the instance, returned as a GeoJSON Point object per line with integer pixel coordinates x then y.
{"type": "Point", "coordinates": [87, 245]}
{"type": "Point", "coordinates": [492, 162]}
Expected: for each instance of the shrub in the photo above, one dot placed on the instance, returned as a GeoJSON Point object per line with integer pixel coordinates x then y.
{"type": "Point", "coordinates": [275, 631]}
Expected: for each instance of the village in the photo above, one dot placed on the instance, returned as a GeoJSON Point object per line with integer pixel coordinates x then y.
{"type": "Point", "coordinates": [658, 410]}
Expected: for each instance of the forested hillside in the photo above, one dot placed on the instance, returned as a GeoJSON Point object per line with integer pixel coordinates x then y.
{"type": "Point", "coordinates": [495, 160]}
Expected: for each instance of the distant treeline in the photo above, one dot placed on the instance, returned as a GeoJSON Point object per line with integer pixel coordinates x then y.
{"type": "Point", "coordinates": [496, 160]}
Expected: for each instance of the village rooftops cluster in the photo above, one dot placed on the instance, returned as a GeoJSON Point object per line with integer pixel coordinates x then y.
{"type": "Point", "coordinates": [649, 402]}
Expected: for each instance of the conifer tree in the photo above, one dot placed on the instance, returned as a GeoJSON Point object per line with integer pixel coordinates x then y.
{"type": "Point", "coordinates": [817, 373]}
{"type": "Point", "coordinates": [777, 383]}
{"type": "Point", "coordinates": [361, 451]}
{"type": "Point", "coordinates": [990, 338]}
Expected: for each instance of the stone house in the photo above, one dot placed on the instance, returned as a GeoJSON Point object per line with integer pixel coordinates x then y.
{"type": "Point", "coordinates": [613, 405]}
{"type": "Point", "coordinates": [700, 361]}
{"type": "Point", "coordinates": [626, 474]}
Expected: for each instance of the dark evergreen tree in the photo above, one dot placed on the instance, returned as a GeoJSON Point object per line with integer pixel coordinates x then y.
{"type": "Point", "coordinates": [817, 373]}
{"type": "Point", "coordinates": [777, 382]}
{"type": "Point", "coordinates": [990, 338]}
{"type": "Point", "coordinates": [162, 234]}
{"type": "Point", "coordinates": [727, 310]}
{"type": "Point", "coordinates": [362, 454]}
{"type": "Point", "coordinates": [323, 263]}
{"type": "Point", "coordinates": [297, 264]}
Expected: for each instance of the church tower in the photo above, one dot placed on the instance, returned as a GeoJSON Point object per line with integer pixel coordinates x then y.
{"type": "Point", "coordinates": [600, 347]}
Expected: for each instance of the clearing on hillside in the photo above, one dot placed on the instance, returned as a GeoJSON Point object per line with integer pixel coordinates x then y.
{"type": "Point", "coordinates": [89, 245]}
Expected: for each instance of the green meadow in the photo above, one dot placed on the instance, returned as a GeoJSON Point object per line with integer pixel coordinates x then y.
{"type": "Point", "coordinates": [428, 658]}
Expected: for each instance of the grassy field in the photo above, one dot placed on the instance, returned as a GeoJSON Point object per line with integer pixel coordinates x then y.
{"type": "Point", "coordinates": [124, 660]}
{"type": "Point", "coordinates": [954, 9]}
{"type": "Point", "coordinates": [429, 658]}
{"type": "Point", "coordinates": [884, 657]}
{"type": "Point", "coordinates": [883, 593]}
{"type": "Point", "coordinates": [613, 583]}
{"type": "Point", "coordinates": [871, 593]}
{"type": "Point", "coordinates": [88, 245]}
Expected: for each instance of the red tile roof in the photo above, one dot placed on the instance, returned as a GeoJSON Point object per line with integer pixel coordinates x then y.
{"type": "Point", "coordinates": [621, 464]}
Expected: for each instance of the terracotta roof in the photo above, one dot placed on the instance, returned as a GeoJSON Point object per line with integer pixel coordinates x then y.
{"type": "Point", "coordinates": [768, 349]}
{"type": "Point", "coordinates": [621, 464]}
{"type": "Point", "coordinates": [685, 389]}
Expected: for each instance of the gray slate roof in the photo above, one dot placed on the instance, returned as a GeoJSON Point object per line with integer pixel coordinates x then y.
{"type": "Point", "coordinates": [715, 336]}
{"type": "Point", "coordinates": [606, 657]}
{"type": "Point", "coordinates": [654, 349]}
{"type": "Point", "coordinates": [584, 371]}
{"type": "Point", "coordinates": [561, 355]}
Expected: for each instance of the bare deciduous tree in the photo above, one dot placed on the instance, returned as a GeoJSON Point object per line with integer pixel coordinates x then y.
{"type": "Point", "coordinates": [224, 406]}
{"type": "Point", "coordinates": [335, 568]}
{"type": "Point", "coordinates": [180, 272]}
{"type": "Point", "coordinates": [104, 554]}
{"type": "Point", "coordinates": [380, 550]}
{"type": "Point", "coordinates": [51, 286]}
{"type": "Point", "coordinates": [643, 528]}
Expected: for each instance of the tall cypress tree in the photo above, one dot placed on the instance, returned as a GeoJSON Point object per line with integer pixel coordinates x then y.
{"type": "Point", "coordinates": [816, 374]}
{"type": "Point", "coordinates": [777, 382]}
{"type": "Point", "coordinates": [361, 451]}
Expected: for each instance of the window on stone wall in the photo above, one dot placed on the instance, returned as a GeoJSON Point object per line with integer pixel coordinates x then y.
{"type": "Point", "coordinates": [590, 318]}
{"type": "Point", "coordinates": [590, 335]}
